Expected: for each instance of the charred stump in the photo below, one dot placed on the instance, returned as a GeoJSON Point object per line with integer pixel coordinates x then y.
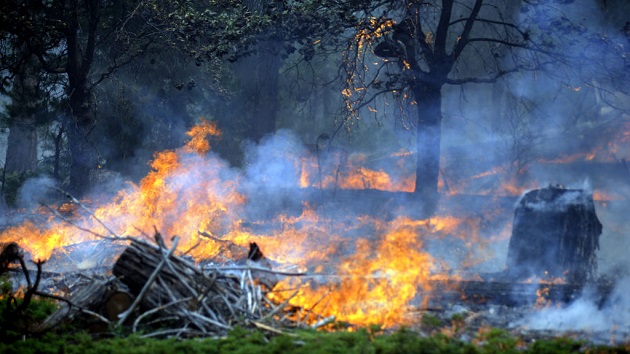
{"type": "Point", "coordinates": [555, 234]}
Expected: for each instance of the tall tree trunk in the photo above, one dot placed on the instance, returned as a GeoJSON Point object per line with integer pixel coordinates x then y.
{"type": "Point", "coordinates": [258, 76]}
{"type": "Point", "coordinates": [82, 154]}
{"type": "Point", "coordinates": [428, 140]}
{"type": "Point", "coordinates": [81, 50]}
{"type": "Point", "coordinates": [57, 138]}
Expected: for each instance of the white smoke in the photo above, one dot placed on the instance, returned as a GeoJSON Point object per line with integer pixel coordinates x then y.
{"type": "Point", "coordinates": [588, 313]}
{"type": "Point", "coordinates": [35, 191]}
{"type": "Point", "coordinates": [272, 174]}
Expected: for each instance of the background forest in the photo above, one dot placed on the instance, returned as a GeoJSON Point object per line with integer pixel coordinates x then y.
{"type": "Point", "coordinates": [91, 89]}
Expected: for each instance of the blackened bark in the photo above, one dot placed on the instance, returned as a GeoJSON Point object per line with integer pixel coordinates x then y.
{"type": "Point", "coordinates": [57, 138]}
{"type": "Point", "coordinates": [259, 77]}
{"type": "Point", "coordinates": [262, 72]}
{"type": "Point", "coordinates": [83, 157]}
{"type": "Point", "coordinates": [555, 234]}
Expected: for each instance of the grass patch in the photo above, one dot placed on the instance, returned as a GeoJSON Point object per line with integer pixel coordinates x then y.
{"type": "Point", "coordinates": [241, 341]}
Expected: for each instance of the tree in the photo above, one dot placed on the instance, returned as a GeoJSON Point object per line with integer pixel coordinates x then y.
{"type": "Point", "coordinates": [63, 37]}
{"type": "Point", "coordinates": [418, 47]}
{"type": "Point", "coordinates": [242, 33]}
{"type": "Point", "coordinates": [85, 42]}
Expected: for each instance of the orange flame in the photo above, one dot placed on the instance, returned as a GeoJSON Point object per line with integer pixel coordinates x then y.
{"type": "Point", "coordinates": [378, 271]}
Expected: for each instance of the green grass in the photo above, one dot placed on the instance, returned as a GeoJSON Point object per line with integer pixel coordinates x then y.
{"type": "Point", "coordinates": [363, 341]}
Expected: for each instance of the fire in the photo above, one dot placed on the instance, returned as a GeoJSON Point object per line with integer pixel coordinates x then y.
{"type": "Point", "coordinates": [337, 170]}
{"type": "Point", "coordinates": [377, 282]}
{"type": "Point", "coordinates": [362, 269]}
{"type": "Point", "coordinates": [40, 243]}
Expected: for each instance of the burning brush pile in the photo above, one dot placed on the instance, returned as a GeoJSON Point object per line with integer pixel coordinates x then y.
{"type": "Point", "coordinates": [324, 261]}
{"type": "Point", "coordinates": [162, 294]}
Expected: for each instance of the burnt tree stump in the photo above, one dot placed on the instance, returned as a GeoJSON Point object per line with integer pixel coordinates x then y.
{"type": "Point", "coordinates": [555, 234]}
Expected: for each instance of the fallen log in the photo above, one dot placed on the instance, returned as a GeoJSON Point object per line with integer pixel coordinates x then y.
{"type": "Point", "coordinates": [511, 294]}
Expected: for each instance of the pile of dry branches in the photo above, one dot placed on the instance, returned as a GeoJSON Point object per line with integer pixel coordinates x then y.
{"type": "Point", "coordinates": [156, 293]}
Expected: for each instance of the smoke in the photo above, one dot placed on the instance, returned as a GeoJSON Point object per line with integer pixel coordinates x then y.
{"type": "Point", "coordinates": [36, 191]}
{"type": "Point", "coordinates": [588, 313]}
{"type": "Point", "coordinates": [272, 174]}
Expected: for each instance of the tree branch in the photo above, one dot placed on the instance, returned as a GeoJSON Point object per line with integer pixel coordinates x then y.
{"type": "Point", "coordinates": [470, 21]}
{"type": "Point", "coordinates": [493, 78]}
{"type": "Point", "coordinates": [442, 28]}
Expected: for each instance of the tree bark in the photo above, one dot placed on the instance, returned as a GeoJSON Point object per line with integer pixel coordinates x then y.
{"type": "Point", "coordinates": [83, 158]}
{"type": "Point", "coordinates": [555, 234]}
{"type": "Point", "coordinates": [259, 76]}
{"type": "Point", "coordinates": [81, 51]}
{"type": "Point", "coordinates": [428, 140]}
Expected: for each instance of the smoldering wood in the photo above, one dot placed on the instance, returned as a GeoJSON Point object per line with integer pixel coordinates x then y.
{"type": "Point", "coordinates": [555, 234]}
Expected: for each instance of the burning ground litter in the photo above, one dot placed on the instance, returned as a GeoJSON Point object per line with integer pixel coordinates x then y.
{"type": "Point", "coordinates": [372, 264]}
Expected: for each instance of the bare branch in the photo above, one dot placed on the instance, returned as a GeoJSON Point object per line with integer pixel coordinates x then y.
{"type": "Point", "coordinates": [442, 28]}
{"type": "Point", "coordinates": [77, 202]}
{"type": "Point", "coordinates": [496, 76]}
{"type": "Point", "coordinates": [463, 40]}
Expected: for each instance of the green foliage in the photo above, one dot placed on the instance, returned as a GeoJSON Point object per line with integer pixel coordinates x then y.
{"type": "Point", "coordinates": [210, 29]}
{"type": "Point", "coordinates": [5, 286]}
{"type": "Point", "coordinates": [15, 325]}
{"type": "Point", "coordinates": [305, 341]}
{"type": "Point", "coordinates": [497, 341]}
{"type": "Point", "coordinates": [559, 345]}
{"type": "Point", "coordinates": [457, 320]}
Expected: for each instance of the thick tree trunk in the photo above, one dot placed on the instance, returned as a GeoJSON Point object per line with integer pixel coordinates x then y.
{"type": "Point", "coordinates": [81, 50]}
{"type": "Point", "coordinates": [259, 75]}
{"type": "Point", "coordinates": [555, 234]}
{"type": "Point", "coordinates": [428, 140]}
{"type": "Point", "coordinates": [266, 107]}
{"type": "Point", "coordinates": [82, 154]}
